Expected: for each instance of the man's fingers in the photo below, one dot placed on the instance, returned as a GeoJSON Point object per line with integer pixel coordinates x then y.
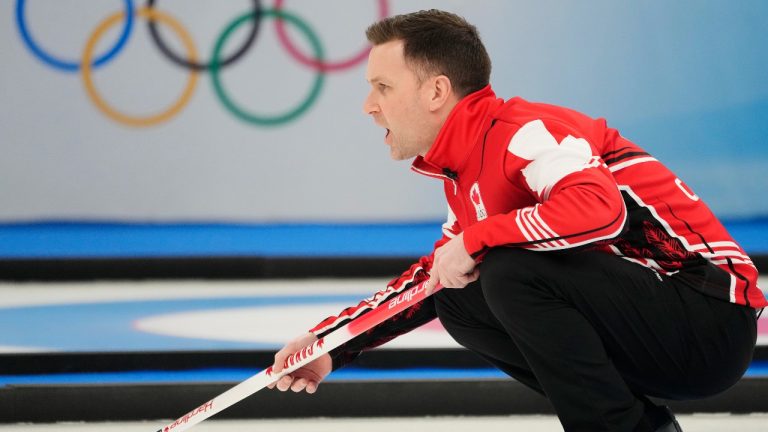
{"type": "Point", "coordinates": [284, 383]}
{"type": "Point", "coordinates": [450, 280]}
{"type": "Point", "coordinates": [468, 278]}
{"type": "Point", "coordinates": [430, 285]}
{"type": "Point", "coordinates": [299, 385]}
{"type": "Point", "coordinates": [434, 279]}
{"type": "Point", "coordinates": [305, 378]}
{"type": "Point", "coordinates": [459, 280]}
{"type": "Point", "coordinates": [296, 385]}
{"type": "Point", "coordinates": [453, 282]}
{"type": "Point", "coordinates": [475, 275]}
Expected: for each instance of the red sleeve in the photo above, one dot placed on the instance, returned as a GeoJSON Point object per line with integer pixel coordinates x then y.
{"type": "Point", "coordinates": [417, 273]}
{"type": "Point", "coordinates": [578, 199]}
{"type": "Point", "coordinates": [413, 317]}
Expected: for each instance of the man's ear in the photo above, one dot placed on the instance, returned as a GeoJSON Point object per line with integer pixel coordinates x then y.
{"type": "Point", "coordinates": [442, 92]}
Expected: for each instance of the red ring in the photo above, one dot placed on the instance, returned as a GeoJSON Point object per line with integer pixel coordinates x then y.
{"type": "Point", "coordinates": [319, 65]}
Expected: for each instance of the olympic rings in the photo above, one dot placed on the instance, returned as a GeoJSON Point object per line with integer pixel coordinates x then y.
{"type": "Point", "coordinates": [316, 63]}
{"type": "Point", "coordinates": [65, 65]}
{"type": "Point", "coordinates": [197, 66]}
{"type": "Point", "coordinates": [264, 120]}
{"type": "Point", "coordinates": [88, 63]}
{"type": "Point", "coordinates": [150, 14]}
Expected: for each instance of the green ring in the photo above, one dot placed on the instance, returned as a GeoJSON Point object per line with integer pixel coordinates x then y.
{"type": "Point", "coordinates": [263, 119]}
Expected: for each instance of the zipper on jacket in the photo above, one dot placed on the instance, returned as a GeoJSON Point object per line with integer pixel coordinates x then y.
{"type": "Point", "coordinates": [457, 192]}
{"type": "Point", "coordinates": [454, 177]}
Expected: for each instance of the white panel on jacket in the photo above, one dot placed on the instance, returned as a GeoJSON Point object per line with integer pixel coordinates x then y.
{"type": "Point", "coordinates": [550, 161]}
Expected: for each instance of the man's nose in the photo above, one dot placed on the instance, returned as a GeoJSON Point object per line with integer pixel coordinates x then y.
{"type": "Point", "coordinates": [369, 105]}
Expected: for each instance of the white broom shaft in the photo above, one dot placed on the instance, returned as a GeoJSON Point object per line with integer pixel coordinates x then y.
{"type": "Point", "coordinates": [319, 348]}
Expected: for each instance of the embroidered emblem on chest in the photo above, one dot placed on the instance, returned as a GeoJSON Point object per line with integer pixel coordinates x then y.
{"type": "Point", "coordinates": [477, 202]}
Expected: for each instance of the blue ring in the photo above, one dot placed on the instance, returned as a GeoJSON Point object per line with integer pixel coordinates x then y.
{"type": "Point", "coordinates": [72, 66]}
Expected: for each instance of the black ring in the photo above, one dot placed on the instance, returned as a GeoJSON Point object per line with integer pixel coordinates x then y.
{"type": "Point", "coordinates": [199, 66]}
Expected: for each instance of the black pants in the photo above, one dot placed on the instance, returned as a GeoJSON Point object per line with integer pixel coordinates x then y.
{"type": "Point", "coordinates": [596, 334]}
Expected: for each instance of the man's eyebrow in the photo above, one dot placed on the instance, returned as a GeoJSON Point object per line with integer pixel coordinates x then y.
{"type": "Point", "coordinates": [375, 79]}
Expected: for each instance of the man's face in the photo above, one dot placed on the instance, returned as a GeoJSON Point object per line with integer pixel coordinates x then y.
{"type": "Point", "coordinates": [398, 102]}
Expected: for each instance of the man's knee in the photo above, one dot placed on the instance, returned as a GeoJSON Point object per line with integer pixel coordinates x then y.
{"type": "Point", "coordinates": [510, 272]}
{"type": "Point", "coordinates": [454, 312]}
{"type": "Point", "coordinates": [454, 305]}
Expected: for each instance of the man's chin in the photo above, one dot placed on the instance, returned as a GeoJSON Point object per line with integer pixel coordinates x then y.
{"type": "Point", "coordinates": [406, 152]}
{"type": "Point", "coordinates": [397, 156]}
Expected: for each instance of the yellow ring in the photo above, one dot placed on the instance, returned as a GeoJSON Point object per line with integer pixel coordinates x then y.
{"type": "Point", "coordinates": [85, 67]}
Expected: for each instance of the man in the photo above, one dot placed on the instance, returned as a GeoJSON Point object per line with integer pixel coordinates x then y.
{"type": "Point", "coordinates": [581, 266]}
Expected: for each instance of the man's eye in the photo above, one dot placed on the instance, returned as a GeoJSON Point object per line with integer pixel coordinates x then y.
{"type": "Point", "coordinates": [382, 87]}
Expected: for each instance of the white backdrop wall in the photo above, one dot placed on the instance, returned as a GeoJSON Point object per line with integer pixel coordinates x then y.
{"type": "Point", "coordinates": [686, 80]}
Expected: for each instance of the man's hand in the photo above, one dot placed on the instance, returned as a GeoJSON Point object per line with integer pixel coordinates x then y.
{"type": "Point", "coordinates": [307, 377]}
{"type": "Point", "coordinates": [452, 266]}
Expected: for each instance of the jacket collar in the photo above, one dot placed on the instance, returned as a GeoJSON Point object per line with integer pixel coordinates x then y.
{"type": "Point", "coordinates": [458, 135]}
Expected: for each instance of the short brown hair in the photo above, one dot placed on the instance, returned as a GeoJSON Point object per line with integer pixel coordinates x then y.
{"type": "Point", "coordinates": [436, 42]}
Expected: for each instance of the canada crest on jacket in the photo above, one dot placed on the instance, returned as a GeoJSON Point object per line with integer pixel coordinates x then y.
{"type": "Point", "coordinates": [477, 202]}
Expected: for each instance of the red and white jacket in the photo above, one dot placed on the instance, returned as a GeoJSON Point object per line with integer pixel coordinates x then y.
{"type": "Point", "coordinates": [545, 178]}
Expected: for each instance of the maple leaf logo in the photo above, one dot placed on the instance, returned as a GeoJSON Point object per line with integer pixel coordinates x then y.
{"type": "Point", "coordinates": [475, 195]}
